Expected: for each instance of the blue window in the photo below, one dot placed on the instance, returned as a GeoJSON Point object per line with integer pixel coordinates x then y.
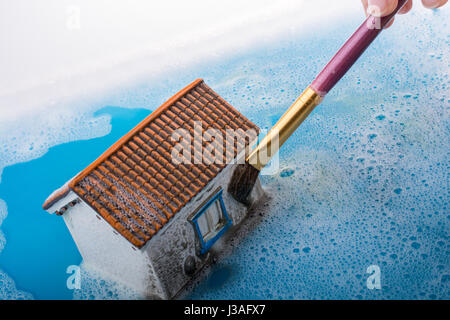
{"type": "Point", "coordinates": [211, 221]}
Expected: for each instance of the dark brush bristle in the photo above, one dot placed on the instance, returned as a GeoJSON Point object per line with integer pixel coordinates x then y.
{"type": "Point", "coordinates": [242, 182]}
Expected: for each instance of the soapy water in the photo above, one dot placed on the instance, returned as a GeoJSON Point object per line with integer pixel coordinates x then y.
{"type": "Point", "coordinates": [8, 288]}
{"type": "Point", "coordinates": [97, 286]}
{"type": "Point", "coordinates": [39, 248]}
{"type": "Point", "coordinates": [364, 181]}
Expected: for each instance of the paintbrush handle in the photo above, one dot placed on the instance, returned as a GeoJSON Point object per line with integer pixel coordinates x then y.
{"type": "Point", "coordinates": [313, 95]}
{"type": "Point", "coordinates": [351, 51]}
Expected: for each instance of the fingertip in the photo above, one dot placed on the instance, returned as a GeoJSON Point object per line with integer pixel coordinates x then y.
{"type": "Point", "coordinates": [406, 8]}
{"type": "Point", "coordinates": [365, 4]}
{"type": "Point", "coordinates": [442, 2]}
{"type": "Point", "coordinates": [381, 8]}
{"type": "Point", "coordinates": [433, 4]}
{"type": "Point", "coordinates": [389, 24]}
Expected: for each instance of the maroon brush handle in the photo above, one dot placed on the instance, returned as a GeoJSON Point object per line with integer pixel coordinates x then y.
{"type": "Point", "coordinates": [351, 51]}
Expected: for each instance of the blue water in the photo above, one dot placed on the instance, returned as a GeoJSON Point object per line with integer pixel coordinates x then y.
{"type": "Point", "coordinates": [39, 247]}
{"type": "Point", "coordinates": [363, 182]}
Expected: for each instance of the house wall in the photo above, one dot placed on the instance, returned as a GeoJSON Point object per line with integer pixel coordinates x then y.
{"type": "Point", "coordinates": [170, 247]}
{"type": "Point", "coordinates": [62, 202]}
{"type": "Point", "coordinates": [107, 251]}
{"type": "Point", "coordinates": [157, 270]}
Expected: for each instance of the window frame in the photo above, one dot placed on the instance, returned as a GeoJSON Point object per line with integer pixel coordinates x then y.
{"type": "Point", "coordinates": [216, 197]}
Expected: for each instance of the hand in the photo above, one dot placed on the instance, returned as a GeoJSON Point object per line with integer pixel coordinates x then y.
{"type": "Point", "coordinates": [385, 7]}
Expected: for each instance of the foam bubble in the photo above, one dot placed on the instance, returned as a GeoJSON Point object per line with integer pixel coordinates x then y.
{"type": "Point", "coordinates": [335, 210]}
{"type": "Point", "coordinates": [32, 135]}
{"type": "Point", "coordinates": [3, 213]}
{"type": "Point", "coordinates": [366, 176]}
{"type": "Point", "coordinates": [95, 286]}
{"type": "Point", "coordinates": [8, 290]}
{"type": "Point", "coordinates": [48, 97]}
{"type": "Point", "coordinates": [136, 41]}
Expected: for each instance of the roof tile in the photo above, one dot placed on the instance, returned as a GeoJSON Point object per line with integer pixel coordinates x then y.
{"type": "Point", "coordinates": [135, 186]}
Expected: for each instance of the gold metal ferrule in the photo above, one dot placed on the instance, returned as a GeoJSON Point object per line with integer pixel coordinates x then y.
{"type": "Point", "coordinates": [284, 128]}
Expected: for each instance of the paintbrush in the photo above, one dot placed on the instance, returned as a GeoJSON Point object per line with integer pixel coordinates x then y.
{"type": "Point", "coordinates": [245, 175]}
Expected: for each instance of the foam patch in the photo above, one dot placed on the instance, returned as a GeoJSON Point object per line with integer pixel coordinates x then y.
{"type": "Point", "coordinates": [95, 286]}
{"type": "Point", "coordinates": [8, 290]}
{"type": "Point", "coordinates": [361, 183]}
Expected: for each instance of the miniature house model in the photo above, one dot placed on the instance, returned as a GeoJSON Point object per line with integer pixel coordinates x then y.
{"type": "Point", "coordinates": [149, 222]}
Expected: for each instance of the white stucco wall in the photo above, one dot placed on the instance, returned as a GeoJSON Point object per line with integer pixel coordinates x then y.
{"type": "Point", "coordinates": [170, 247]}
{"type": "Point", "coordinates": [62, 202]}
{"type": "Point", "coordinates": [157, 269]}
{"type": "Point", "coordinates": [107, 251]}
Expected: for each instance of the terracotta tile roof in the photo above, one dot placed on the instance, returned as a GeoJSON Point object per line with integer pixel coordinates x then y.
{"type": "Point", "coordinates": [135, 186]}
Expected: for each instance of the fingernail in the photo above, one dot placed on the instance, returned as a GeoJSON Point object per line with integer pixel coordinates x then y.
{"type": "Point", "coordinates": [431, 4]}
{"type": "Point", "coordinates": [378, 8]}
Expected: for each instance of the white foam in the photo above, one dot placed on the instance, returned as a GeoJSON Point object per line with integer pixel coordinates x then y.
{"type": "Point", "coordinates": [8, 290]}
{"type": "Point", "coordinates": [117, 42]}
{"type": "Point", "coordinates": [32, 135]}
{"type": "Point", "coordinates": [95, 286]}
{"type": "Point", "coordinates": [366, 178]}
{"type": "Point", "coordinates": [46, 66]}
{"type": "Point", "coordinates": [3, 213]}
